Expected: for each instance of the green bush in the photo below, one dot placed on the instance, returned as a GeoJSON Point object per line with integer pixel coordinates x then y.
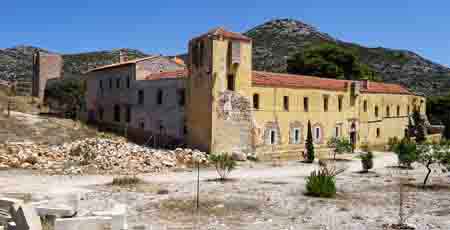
{"type": "Point", "coordinates": [321, 183]}
{"type": "Point", "coordinates": [367, 161]}
{"type": "Point", "coordinates": [392, 142]}
{"type": "Point", "coordinates": [223, 163]}
{"type": "Point", "coordinates": [406, 152]}
{"type": "Point", "coordinates": [339, 145]}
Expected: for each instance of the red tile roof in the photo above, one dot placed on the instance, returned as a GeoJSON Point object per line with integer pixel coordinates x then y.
{"type": "Point", "coordinates": [296, 81]}
{"type": "Point", "coordinates": [167, 75]}
{"type": "Point", "coordinates": [378, 87]}
{"type": "Point", "coordinates": [220, 31]}
{"type": "Point", "coordinates": [309, 82]}
{"type": "Point", "coordinates": [123, 63]}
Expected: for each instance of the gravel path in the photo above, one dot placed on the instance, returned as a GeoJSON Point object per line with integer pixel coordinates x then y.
{"type": "Point", "coordinates": [260, 197]}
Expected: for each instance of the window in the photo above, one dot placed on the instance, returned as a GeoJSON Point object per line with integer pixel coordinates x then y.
{"type": "Point", "coordinates": [273, 137]}
{"type": "Point", "coordinates": [185, 130]}
{"type": "Point", "coordinates": [296, 136]}
{"type": "Point", "coordinates": [398, 111]}
{"type": "Point", "coordinates": [365, 105]}
{"type": "Point", "coordinates": [317, 134]}
{"type": "Point", "coordinates": [140, 97]}
{"type": "Point", "coordinates": [142, 124]}
{"type": "Point", "coordinates": [117, 113]}
{"type": "Point", "coordinates": [378, 132]}
{"type": "Point", "coordinates": [376, 111]}
{"type": "Point", "coordinates": [408, 111]}
{"type": "Point", "coordinates": [286, 103]}
{"type": "Point", "coordinates": [256, 101]}
{"type": "Point", "coordinates": [100, 84]}
{"type": "Point", "coordinates": [230, 82]}
{"type": "Point", "coordinates": [337, 131]}
{"type": "Point", "coordinates": [159, 97]}
{"type": "Point", "coordinates": [340, 103]}
{"type": "Point", "coordinates": [388, 111]}
{"type": "Point", "coordinates": [128, 82]}
{"type": "Point", "coordinates": [110, 83]}
{"type": "Point", "coordinates": [128, 114]}
{"type": "Point", "coordinates": [305, 104]}
{"type": "Point", "coordinates": [101, 111]}
{"type": "Point", "coordinates": [118, 83]}
{"type": "Point", "coordinates": [325, 104]}
{"type": "Point", "coordinates": [181, 97]}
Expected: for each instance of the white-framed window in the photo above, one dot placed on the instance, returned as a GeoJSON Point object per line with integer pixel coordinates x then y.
{"type": "Point", "coordinates": [317, 135]}
{"type": "Point", "coordinates": [272, 138]}
{"type": "Point", "coordinates": [296, 136]}
{"type": "Point", "coordinates": [337, 131]}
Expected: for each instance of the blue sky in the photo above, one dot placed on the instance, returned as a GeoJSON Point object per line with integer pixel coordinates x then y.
{"type": "Point", "coordinates": [155, 26]}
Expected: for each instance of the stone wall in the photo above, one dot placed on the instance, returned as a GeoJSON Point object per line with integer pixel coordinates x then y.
{"type": "Point", "coordinates": [45, 67]}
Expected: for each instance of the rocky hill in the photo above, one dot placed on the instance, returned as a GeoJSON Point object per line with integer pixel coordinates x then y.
{"type": "Point", "coordinates": [17, 61]}
{"type": "Point", "coordinates": [273, 43]}
{"type": "Point", "coordinates": [277, 40]}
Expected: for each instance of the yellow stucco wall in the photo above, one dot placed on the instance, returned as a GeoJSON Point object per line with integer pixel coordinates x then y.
{"type": "Point", "coordinates": [216, 132]}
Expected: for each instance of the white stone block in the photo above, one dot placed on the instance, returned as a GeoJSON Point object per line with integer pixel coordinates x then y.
{"type": "Point", "coordinates": [58, 211]}
{"type": "Point", "coordinates": [83, 223]}
{"type": "Point", "coordinates": [119, 216]}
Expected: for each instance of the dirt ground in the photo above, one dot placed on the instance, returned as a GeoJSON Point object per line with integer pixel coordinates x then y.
{"type": "Point", "coordinates": [259, 196]}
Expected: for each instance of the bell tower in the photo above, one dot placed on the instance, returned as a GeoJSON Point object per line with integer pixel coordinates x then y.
{"type": "Point", "coordinates": [220, 62]}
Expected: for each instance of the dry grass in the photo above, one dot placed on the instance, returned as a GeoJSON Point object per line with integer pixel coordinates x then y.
{"type": "Point", "coordinates": [126, 181]}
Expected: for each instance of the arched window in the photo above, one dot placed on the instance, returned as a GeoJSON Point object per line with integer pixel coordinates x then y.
{"type": "Point", "coordinates": [231, 82]}
{"type": "Point", "coordinates": [376, 111]}
{"type": "Point", "coordinates": [273, 137]}
{"type": "Point", "coordinates": [365, 105]}
{"type": "Point", "coordinates": [317, 133]}
{"type": "Point", "coordinates": [159, 97]}
{"type": "Point", "coordinates": [128, 114]}
{"type": "Point", "coordinates": [295, 132]}
{"type": "Point", "coordinates": [388, 111]}
{"type": "Point", "coordinates": [286, 103]}
{"type": "Point", "coordinates": [117, 113]}
{"type": "Point", "coordinates": [140, 97]}
{"type": "Point", "coordinates": [398, 110]}
{"type": "Point", "coordinates": [256, 101]}
{"type": "Point", "coordinates": [101, 112]}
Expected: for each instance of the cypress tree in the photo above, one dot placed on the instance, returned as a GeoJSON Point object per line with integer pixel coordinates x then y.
{"type": "Point", "coordinates": [419, 127]}
{"type": "Point", "coordinates": [309, 145]}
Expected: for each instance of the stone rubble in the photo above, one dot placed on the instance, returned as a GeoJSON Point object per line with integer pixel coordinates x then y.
{"type": "Point", "coordinates": [95, 155]}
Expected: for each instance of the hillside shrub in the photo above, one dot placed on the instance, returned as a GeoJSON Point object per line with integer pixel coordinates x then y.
{"type": "Point", "coordinates": [224, 164]}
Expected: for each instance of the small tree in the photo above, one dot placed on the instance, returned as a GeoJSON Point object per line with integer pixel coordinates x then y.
{"type": "Point", "coordinates": [429, 154]}
{"type": "Point", "coordinates": [367, 161]}
{"type": "Point", "coordinates": [224, 164]}
{"type": "Point", "coordinates": [339, 146]}
{"type": "Point", "coordinates": [309, 145]}
{"type": "Point", "coordinates": [406, 152]}
{"type": "Point", "coordinates": [419, 127]}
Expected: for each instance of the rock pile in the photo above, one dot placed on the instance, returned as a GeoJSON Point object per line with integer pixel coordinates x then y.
{"type": "Point", "coordinates": [95, 155]}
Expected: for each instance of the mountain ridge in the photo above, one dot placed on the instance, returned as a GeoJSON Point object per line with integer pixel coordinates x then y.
{"type": "Point", "coordinates": [273, 43]}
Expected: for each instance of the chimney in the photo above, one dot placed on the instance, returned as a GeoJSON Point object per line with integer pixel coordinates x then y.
{"type": "Point", "coordinates": [123, 55]}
